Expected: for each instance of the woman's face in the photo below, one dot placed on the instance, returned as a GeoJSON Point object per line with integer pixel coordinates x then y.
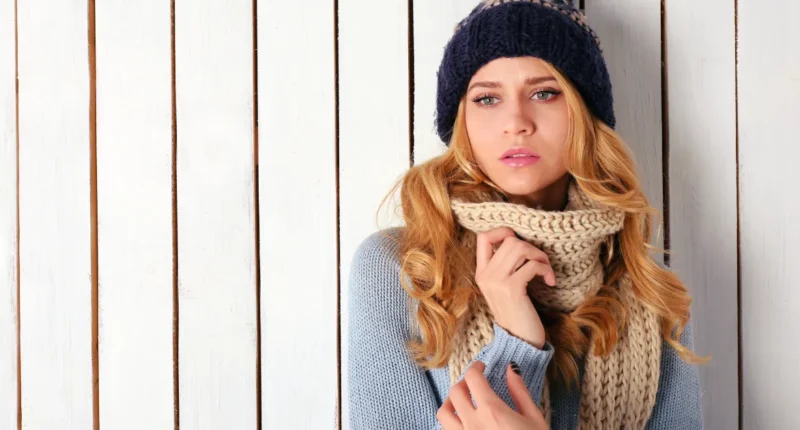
{"type": "Point", "coordinates": [516, 103]}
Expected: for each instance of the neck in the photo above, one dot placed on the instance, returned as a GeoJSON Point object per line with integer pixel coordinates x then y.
{"type": "Point", "coordinates": [551, 198]}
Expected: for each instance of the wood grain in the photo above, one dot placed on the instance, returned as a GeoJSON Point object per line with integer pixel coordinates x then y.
{"type": "Point", "coordinates": [769, 149]}
{"type": "Point", "coordinates": [134, 162]}
{"type": "Point", "coordinates": [373, 130]}
{"type": "Point", "coordinates": [8, 218]}
{"type": "Point", "coordinates": [216, 214]}
{"type": "Point", "coordinates": [702, 175]}
{"type": "Point", "coordinates": [297, 195]}
{"type": "Point", "coordinates": [630, 37]}
{"type": "Point", "coordinates": [55, 222]}
{"type": "Point", "coordinates": [434, 22]}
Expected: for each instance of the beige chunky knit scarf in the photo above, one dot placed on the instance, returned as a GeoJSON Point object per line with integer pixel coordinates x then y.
{"type": "Point", "coordinates": [617, 391]}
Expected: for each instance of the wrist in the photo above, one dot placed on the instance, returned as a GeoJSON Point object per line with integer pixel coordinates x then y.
{"type": "Point", "coordinates": [534, 336]}
{"type": "Point", "coordinates": [522, 321]}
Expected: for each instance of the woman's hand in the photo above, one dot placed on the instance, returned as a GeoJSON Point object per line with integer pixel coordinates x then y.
{"type": "Point", "coordinates": [491, 411]}
{"type": "Point", "coordinates": [503, 278]}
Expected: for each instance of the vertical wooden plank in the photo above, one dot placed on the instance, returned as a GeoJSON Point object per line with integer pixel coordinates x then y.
{"type": "Point", "coordinates": [434, 22]}
{"type": "Point", "coordinates": [373, 129]}
{"type": "Point", "coordinates": [297, 195]}
{"type": "Point", "coordinates": [55, 222]}
{"type": "Point", "coordinates": [134, 163]}
{"type": "Point", "coordinates": [769, 148]}
{"type": "Point", "coordinates": [216, 214]}
{"type": "Point", "coordinates": [702, 186]}
{"type": "Point", "coordinates": [8, 218]}
{"type": "Point", "coordinates": [629, 32]}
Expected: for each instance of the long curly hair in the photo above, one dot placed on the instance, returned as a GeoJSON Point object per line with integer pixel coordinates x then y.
{"type": "Point", "coordinates": [437, 255]}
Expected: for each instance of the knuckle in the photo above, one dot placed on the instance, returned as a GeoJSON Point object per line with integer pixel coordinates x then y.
{"type": "Point", "coordinates": [537, 265]}
{"type": "Point", "coordinates": [506, 230]}
{"type": "Point", "coordinates": [537, 253]}
{"type": "Point", "coordinates": [510, 239]}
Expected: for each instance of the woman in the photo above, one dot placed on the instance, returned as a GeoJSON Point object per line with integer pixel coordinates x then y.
{"type": "Point", "coordinates": [525, 248]}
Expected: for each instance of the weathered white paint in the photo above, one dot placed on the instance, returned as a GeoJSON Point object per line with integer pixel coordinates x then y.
{"type": "Point", "coordinates": [769, 150]}
{"type": "Point", "coordinates": [134, 187]}
{"type": "Point", "coordinates": [297, 198]}
{"type": "Point", "coordinates": [216, 196]}
{"type": "Point", "coordinates": [434, 22]}
{"type": "Point", "coordinates": [373, 129]}
{"type": "Point", "coordinates": [8, 219]}
{"type": "Point", "coordinates": [216, 214]}
{"type": "Point", "coordinates": [629, 32]}
{"type": "Point", "coordinates": [702, 186]}
{"type": "Point", "coordinates": [55, 223]}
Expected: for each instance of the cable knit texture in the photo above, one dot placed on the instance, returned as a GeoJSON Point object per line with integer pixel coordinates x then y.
{"type": "Point", "coordinates": [387, 390]}
{"type": "Point", "coordinates": [618, 390]}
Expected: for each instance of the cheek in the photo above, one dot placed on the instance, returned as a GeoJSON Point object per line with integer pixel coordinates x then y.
{"type": "Point", "coordinates": [553, 133]}
{"type": "Point", "coordinates": [481, 135]}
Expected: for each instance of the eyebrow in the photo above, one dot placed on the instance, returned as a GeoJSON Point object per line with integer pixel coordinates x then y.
{"type": "Point", "coordinates": [529, 81]}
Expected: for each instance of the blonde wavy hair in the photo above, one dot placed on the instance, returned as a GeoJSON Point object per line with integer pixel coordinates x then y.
{"type": "Point", "coordinates": [438, 256]}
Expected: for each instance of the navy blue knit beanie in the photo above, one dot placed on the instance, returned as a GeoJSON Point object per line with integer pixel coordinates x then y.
{"type": "Point", "coordinates": [552, 30]}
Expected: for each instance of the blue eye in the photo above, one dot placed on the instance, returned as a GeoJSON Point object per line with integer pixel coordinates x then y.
{"type": "Point", "coordinates": [550, 95]}
{"type": "Point", "coordinates": [480, 100]}
{"type": "Point", "coordinates": [488, 100]}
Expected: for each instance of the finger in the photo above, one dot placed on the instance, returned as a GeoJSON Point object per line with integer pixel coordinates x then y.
{"type": "Point", "coordinates": [526, 251]}
{"type": "Point", "coordinates": [478, 385]}
{"type": "Point", "coordinates": [536, 254]}
{"type": "Point", "coordinates": [460, 396]}
{"type": "Point", "coordinates": [485, 245]}
{"type": "Point", "coordinates": [533, 268]}
{"type": "Point", "coordinates": [522, 397]}
{"type": "Point", "coordinates": [512, 253]}
{"type": "Point", "coordinates": [507, 250]}
{"type": "Point", "coordinates": [447, 416]}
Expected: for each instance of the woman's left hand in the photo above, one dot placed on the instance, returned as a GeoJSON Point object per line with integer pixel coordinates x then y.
{"type": "Point", "coordinates": [491, 411]}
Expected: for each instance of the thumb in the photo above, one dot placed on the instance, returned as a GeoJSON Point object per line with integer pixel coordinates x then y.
{"type": "Point", "coordinates": [521, 396]}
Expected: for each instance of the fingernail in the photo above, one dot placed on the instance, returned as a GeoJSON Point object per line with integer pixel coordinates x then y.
{"type": "Point", "coordinates": [515, 368]}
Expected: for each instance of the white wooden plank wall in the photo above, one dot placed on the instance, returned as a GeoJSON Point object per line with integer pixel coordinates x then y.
{"type": "Point", "coordinates": [217, 325]}
{"type": "Point", "coordinates": [434, 22]}
{"type": "Point", "coordinates": [134, 193]}
{"type": "Point", "coordinates": [298, 224]}
{"type": "Point", "coordinates": [769, 150]}
{"type": "Point", "coordinates": [374, 132]}
{"type": "Point", "coordinates": [631, 42]}
{"type": "Point", "coordinates": [334, 134]}
{"type": "Point", "coordinates": [8, 218]}
{"type": "Point", "coordinates": [702, 177]}
{"type": "Point", "coordinates": [54, 218]}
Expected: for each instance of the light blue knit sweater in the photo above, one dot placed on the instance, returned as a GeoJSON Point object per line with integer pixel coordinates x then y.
{"type": "Point", "coordinates": [387, 390]}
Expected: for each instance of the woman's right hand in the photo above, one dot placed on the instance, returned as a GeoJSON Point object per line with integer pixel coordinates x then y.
{"type": "Point", "coordinates": [503, 276]}
{"type": "Point", "coordinates": [459, 413]}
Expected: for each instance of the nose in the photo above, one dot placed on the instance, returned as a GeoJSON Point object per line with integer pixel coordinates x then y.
{"type": "Point", "coordinates": [518, 121]}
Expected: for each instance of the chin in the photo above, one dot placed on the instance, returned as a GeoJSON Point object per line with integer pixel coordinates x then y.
{"type": "Point", "coordinates": [521, 190]}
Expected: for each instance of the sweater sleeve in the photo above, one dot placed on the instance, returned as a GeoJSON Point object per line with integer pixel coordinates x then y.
{"type": "Point", "coordinates": [678, 398]}
{"type": "Point", "coordinates": [506, 348]}
{"type": "Point", "coordinates": [386, 388]}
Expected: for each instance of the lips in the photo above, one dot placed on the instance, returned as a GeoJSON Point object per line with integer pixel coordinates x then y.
{"type": "Point", "coordinates": [518, 152]}
{"type": "Point", "coordinates": [519, 161]}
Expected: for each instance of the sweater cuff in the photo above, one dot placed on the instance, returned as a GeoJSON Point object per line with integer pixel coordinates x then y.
{"type": "Point", "coordinates": [532, 361]}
